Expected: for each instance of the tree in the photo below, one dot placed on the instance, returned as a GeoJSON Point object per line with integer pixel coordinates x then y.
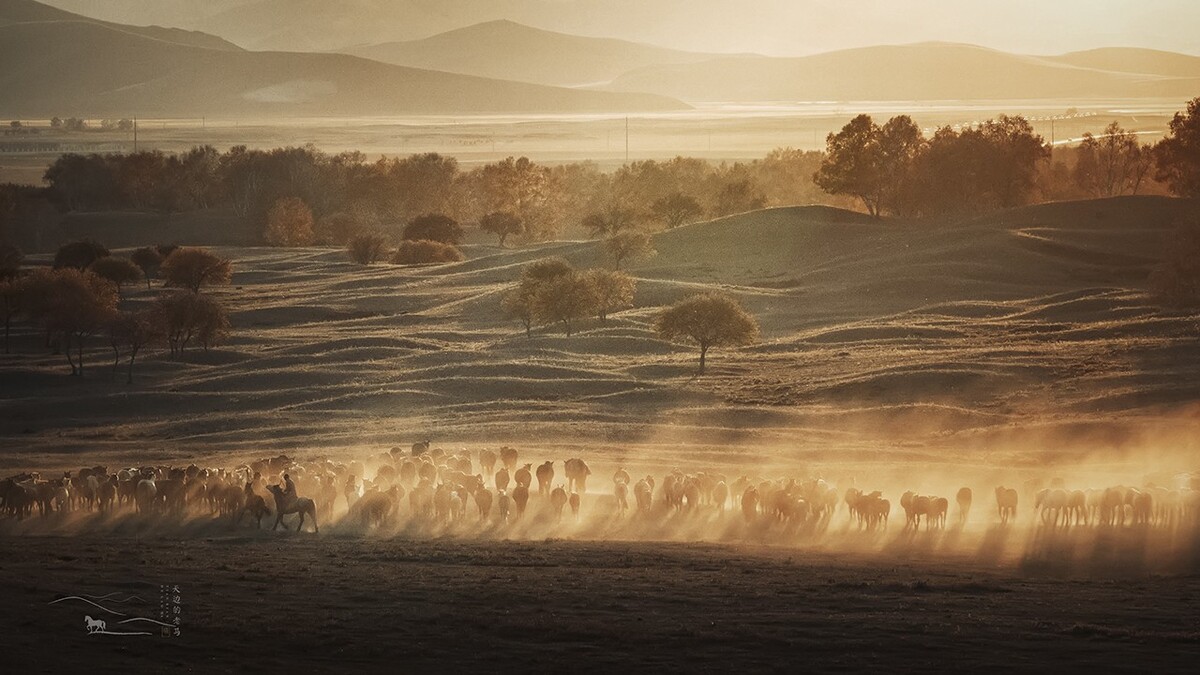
{"type": "Point", "coordinates": [434, 227]}
{"type": "Point", "coordinates": [1178, 155]}
{"type": "Point", "coordinates": [629, 245]}
{"type": "Point", "coordinates": [611, 291]}
{"type": "Point", "coordinates": [11, 258]}
{"type": "Point", "coordinates": [119, 271]}
{"type": "Point", "coordinates": [338, 229]}
{"type": "Point", "coordinates": [708, 320]}
{"type": "Point", "coordinates": [1112, 165]}
{"type": "Point", "coordinates": [518, 303]}
{"type": "Point", "coordinates": [676, 209]}
{"type": "Point", "coordinates": [79, 254]}
{"type": "Point", "coordinates": [149, 260]}
{"type": "Point", "coordinates": [738, 196]}
{"type": "Point", "coordinates": [289, 223]}
{"type": "Point", "coordinates": [421, 251]}
{"type": "Point", "coordinates": [611, 221]}
{"type": "Point", "coordinates": [193, 268]}
{"type": "Point", "coordinates": [367, 247]}
{"type": "Point", "coordinates": [131, 331]}
{"type": "Point", "coordinates": [502, 224]}
{"type": "Point", "coordinates": [74, 305]}
{"type": "Point", "coordinates": [13, 302]}
{"type": "Point", "coordinates": [852, 163]}
{"type": "Point", "coordinates": [184, 316]}
{"type": "Point", "coordinates": [545, 269]}
{"type": "Point", "coordinates": [564, 299]}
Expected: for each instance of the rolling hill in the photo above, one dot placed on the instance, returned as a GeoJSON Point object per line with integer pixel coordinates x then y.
{"type": "Point", "coordinates": [84, 68]}
{"type": "Point", "coordinates": [28, 11]}
{"type": "Point", "coordinates": [1134, 60]}
{"type": "Point", "coordinates": [927, 71]}
{"type": "Point", "coordinates": [512, 51]}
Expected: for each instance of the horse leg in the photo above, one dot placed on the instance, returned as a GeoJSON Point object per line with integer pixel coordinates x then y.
{"type": "Point", "coordinates": [301, 525]}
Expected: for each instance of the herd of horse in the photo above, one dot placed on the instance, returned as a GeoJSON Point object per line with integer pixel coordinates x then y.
{"type": "Point", "coordinates": [492, 486]}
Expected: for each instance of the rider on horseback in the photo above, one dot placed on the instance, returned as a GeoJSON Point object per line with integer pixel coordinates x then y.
{"type": "Point", "coordinates": [289, 488]}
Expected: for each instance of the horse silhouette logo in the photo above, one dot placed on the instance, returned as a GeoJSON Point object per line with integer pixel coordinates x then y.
{"type": "Point", "coordinates": [94, 625]}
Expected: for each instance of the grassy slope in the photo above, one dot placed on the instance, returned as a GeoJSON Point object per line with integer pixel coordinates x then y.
{"type": "Point", "coordinates": [877, 336]}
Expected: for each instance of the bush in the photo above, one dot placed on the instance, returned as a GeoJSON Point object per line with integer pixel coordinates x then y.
{"type": "Point", "coordinates": [79, 254]}
{"type": "Point", "coordinates": [191, 268]}
{"type": "Point", "coordinates": [423, 251]}
{"type": "Point", "coordinates": [289, 223]}
{"type": "Point", "coordinates": [434, 227]}
{"type": "Point", "coordinates": [367, 248]}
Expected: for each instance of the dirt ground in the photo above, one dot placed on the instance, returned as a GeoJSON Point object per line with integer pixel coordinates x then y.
{"type": "Point", "coordinates": [262, 603]}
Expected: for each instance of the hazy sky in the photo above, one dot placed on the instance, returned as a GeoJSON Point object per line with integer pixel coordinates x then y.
{"type": "Point", "coordinates": [781, 27]}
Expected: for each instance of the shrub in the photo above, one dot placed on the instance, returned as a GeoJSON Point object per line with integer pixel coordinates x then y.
{"type": "Point", "coordinates": [79, 254]}
{"type": "Point", "coordinates": [434, 227]}
{"type": "Point", "coordinates": [424, 251]}
{"type": "Point", "coordinates": [289, 223]}
{"type": "Point", "coordinates": [367, 248]}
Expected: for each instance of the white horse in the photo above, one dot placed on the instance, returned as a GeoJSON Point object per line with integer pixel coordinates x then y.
{"type": "Point", "coordinates": [94, 625]}
{"type": "Point", "coordinates": [284, 506]}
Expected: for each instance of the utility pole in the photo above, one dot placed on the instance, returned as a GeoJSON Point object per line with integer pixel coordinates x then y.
{"type": "Point", "coordinates": [626, 140]}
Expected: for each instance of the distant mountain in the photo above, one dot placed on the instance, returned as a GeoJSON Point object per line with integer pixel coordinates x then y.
{"type": "Point", "coordinates": [512, 51]}
{"type": "Point", "coordinates": [88, 69]}
{"type": "Point", "coordinates": [926, 71]}
{"type": "Point", "coordinates": [1134, 60]}
{"type": "Point", "coordinates": [28, 11]}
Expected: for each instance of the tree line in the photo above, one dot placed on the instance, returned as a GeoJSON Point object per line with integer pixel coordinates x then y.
{"type": "Point", "coordinates": [81, 295]}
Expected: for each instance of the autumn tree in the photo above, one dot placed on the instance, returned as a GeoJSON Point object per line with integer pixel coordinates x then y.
{"type": "Point", "coordinates": [434, 227]}
{"type": "Point", "coordinates": [708, 320]}
{"type": "Point", "coordinates": [611, 291]}
{"type": "Point", "coordinates": [187, 316]}
{"type": "Point", "coordinates": [74, 305]}
{"type": "Point", "coordinates": [737, 196]}
{"type": "Point", "coordinates": [676, 209]}
{"type": "Point", "coordinates": [503, 224]}
{"type": "Point", "coordinates": [367, 247]}
{"type": "Point", "coordinates": [193, 268]}
{"type": "Point", "coordinates": [79, 254]}
{"type": "Point", "coordinates": [119, 271]}
{"type": "Point", "coordinates": [1178, 155]}
{"type": "Point", "coordinates": [129, 332]}
{"type": "Point", "coordinates": [148, 260]}
{"type": "Point", "coordinates": [522, 301]}
{"type": "Point", "coordinates": [564, 299]}
{"type": "Point", "coordinates": [852, 163]}
{"type": "Point", "coordinates": [629, 245]}
{"type": "Point", "coordinates": [289, 223]}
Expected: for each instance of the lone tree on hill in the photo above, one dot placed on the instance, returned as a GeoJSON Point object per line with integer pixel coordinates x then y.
{"type": "Point", "coordinates": [502, 224]}
{"type": "Point", "coordinates": [192, 268]}
{"type": "Point", "coordinates": [1178, 155]}
{"type": "Point", "coordinates": [708, 320]}
{"type": "Point", "coordinates": [120, 271]}
{"type": "Point", "coordinates": [434, 227]}
{"type": "Point", "coordinates": [149, 260]}
{"type": "Point", "coordinates": [289, 223]}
